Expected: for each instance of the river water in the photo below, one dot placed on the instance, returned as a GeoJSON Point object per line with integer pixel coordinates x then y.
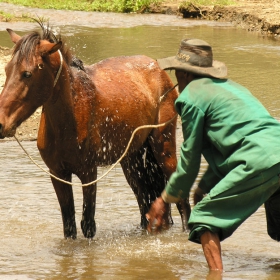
{"type": "Point", "coordinates": [32, 243]}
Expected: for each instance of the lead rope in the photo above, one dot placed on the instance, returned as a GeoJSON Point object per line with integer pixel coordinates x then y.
{"type": "Point", "coordinates": [59, 70]}
{"type": "Point", "coordinates": [161, 98]}
{"type": "Point", "coordinates": [122, 156]}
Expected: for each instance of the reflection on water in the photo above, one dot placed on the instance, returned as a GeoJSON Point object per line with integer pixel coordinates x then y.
{"type": "Point", "coordinates": [32, 244]}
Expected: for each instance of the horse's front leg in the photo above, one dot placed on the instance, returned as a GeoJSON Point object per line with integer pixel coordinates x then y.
{"type": "Point", "coordinates": [65, 198]}
{"type": "Point", "coordinates": [89, 203]}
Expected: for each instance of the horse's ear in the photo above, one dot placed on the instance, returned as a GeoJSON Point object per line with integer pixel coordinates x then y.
{"type": "Point", "coordinates": [14, 37]}
{"type": "Point", "coordinates": [49, 48]}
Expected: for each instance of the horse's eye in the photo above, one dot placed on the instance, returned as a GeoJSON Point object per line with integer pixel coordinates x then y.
{"type": "Point", "coordinates": [27, 74]}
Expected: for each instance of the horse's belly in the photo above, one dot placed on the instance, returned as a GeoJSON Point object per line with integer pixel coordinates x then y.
{"type": "Point", "coordinates": [118, 144]}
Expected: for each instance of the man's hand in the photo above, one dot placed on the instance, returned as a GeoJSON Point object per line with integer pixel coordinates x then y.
{"type": "Point", "coordinates": [158, 216]}
{"type": "Point", "coordinates": [198, 195]}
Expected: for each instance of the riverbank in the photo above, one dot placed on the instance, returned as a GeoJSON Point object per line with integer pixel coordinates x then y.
{"type": "Point", "coordinates": [258, 16]}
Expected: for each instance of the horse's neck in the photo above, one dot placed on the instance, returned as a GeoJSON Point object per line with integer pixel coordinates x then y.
{"type": "Point", "coordinates": [59, 108]}
{"type": "Point", "coordinates": [69, 95]}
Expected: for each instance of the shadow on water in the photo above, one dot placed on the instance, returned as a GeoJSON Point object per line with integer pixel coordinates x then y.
{"type": "Point", "coordinates": [32, 244]}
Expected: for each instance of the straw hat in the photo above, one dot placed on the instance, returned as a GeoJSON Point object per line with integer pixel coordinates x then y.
{"type": "Point", "coordinates": [195, 56]}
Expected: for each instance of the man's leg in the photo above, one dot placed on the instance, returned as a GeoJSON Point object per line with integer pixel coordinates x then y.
{"type": "Point", "coordinates": [272, 210]}
{"type": "Point", "coordinates": [212, 250]}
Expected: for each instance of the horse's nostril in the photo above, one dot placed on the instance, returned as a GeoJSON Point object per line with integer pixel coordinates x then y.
{"type": "Point", "coordinates": [1, 131]}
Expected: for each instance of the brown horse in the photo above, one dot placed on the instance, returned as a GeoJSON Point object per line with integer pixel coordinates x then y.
{"type": "Point", "coordinates": [88, 116]}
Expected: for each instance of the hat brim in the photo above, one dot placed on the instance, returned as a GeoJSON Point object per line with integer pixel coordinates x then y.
{"type": "Point", "coordinates": [218, 69]}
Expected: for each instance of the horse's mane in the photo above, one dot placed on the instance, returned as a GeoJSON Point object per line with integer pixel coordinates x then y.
{"type": "Point", "coordinates": [27, 45]}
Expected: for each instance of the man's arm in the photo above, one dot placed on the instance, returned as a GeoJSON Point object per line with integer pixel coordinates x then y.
{"type": "Point", "coordinates": [207, 182]}
{"type": "Point", "coordinates": [181, 181]}
{"type": "Point", "coordinates": [188, 165]}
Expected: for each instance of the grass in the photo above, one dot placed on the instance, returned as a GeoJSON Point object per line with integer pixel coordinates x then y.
{"type": "Point", "coordinates": [6, 17]}
{"type": "Point", "coordinates": [121, 6]}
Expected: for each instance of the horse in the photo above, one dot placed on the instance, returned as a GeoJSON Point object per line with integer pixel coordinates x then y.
{"type": "Point", "coordinates": [88, 115]}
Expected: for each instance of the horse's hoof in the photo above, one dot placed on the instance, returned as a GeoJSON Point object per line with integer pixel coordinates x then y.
{"type": "Point", "coordinates": [70, 237]}
{"type": "Point", "coordinates": [144, 222]}
{"type": "Point", "coordinates": [70, 234]}
{"type": "Point", "coordinates": [70, 231]}
{"type": "Point", "coordinates": [88, 228]}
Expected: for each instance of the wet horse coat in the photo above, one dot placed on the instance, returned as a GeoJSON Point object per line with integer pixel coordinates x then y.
{"type": "Point", "coordinates": [88, 116]}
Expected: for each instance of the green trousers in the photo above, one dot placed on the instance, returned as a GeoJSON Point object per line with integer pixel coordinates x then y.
{"type": "Point", "coordinates": [224, 212]}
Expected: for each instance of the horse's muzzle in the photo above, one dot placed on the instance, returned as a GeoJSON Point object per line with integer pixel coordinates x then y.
{"type": "Point", "coordinates": [7, 133]}
{"type": "Point", "coordinates": [1, 129]}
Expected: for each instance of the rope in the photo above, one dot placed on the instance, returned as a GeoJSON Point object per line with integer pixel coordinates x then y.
{"type": "Point", "coordinates": [161, 98]}
{"type": "Point", "coordinates": [60, 68]}
{"type": "Point", "coordinates": [98, 179]}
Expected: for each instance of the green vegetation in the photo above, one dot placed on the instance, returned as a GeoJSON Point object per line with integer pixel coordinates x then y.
{"type": "Point", "coordinates": [10, 17]}
{"type": "Point", "coordinates": [122, 6]}
{"type": "Point", "coordinates": [6, 16]}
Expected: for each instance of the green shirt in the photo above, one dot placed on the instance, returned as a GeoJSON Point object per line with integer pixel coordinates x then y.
{"type": "Point", "coordinates": [225, 123]}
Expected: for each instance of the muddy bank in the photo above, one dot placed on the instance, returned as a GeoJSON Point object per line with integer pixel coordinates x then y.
{"type": "Point", "coordinates": [253, 15]}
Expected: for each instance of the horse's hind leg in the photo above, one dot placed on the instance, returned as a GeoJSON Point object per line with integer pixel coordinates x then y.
{"type": "Point", "coordinates": [146, 179]}
{"type": "Point", "coordinates": [65, 198]}
{"type": "Point", "coordinates": [163, 142]}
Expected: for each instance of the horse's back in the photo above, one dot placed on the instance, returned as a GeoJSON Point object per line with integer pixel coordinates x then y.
{"type": "Point", "coordinates": [127, 95]}
{"type": "Point", "coordinates": [126, 63]}
{"type": "Point", "coordinates": [128, 85]}
{"type": "Point", "coordinates": [139, 75]}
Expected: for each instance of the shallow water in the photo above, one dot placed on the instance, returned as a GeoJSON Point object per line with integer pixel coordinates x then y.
{"type": "Point", "coordinates": [32, 244]}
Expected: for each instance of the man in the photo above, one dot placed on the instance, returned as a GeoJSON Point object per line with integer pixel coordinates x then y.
{"type": "Point", "coordinates": [239, 139]}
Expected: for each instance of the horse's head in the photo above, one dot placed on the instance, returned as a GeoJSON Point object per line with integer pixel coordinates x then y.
{"type": "Point", "coordinates": [30, 79]}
